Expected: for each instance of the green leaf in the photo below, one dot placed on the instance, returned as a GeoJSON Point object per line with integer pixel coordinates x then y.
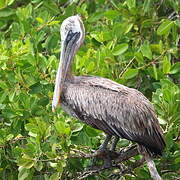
{"type": "Point", "coordinates": [35, 88]}
{"type": "Point", "coordinates": [53, 23]}
{"type": "Point", "coordinates": [162, 121]}
{"type": "Point", "coordinates": [128, 27]}
{"type": "Point", "coordinates": [3, 84]}
{"type": "Point", "coordinates": [130, 73]}
{"type": "Point", "coordinates": [175, 68]}
{"type": "Point", "coordinates": [111, 14]}
{"type": "Point", "coordinates": [90, 66]}
{"type": "Point", "coordinates": [52, 41]}
{"type": "Point", "coordinates": [2, 4]}
{"type": "Point", "coordinates": [10, 2]}
{"type": "Point", "coordinates": [91, 132]}
{"type": "Point", "coordinates": [54, 176]}
{"type": "Point", "coordinates": [11, 96]}
{"type": "Point", "coordinates": [40, 20]}
{"type": "Point", "coordinates": [139, 57]}
{"type": "Point", "coordinates": [95, 17]}
{"type": "Point", "coordinates": [6, 12]}
{"type": "Point", "coordinates": [80, 61]}
{"type": "Point", "coordinates": [146, 50]}
{"type": "Point", "coordinates": [166, 65]}
{"type": "Point", "coordinates": [43, 101]}
{"type": "Point", "coordinates": [155, 72]}
{"type": "Point", "coordinates": [62, 128]}
{"type": "Point", "coordinates": [23, 173]}
{"type": "Point", "coordinates": [165, 27]}
{"type": "Point", "coordinates": [120, 49]}
{"type": "Point", "coordinates": [9, 137]}
{"type": "Point", "coordinates": [157, 48]}
{"type": "Point", "coordinates": [177, 160]}
{"type": "Point", "coordinates": [26, 163]}
{"type": "Point", "coordinates": [98, 36]}
{"type": "Point", "coordinates": [38, 165]}
{"type": "Point", "coordinates": [32, 128]}
{"type": "Point", "coordinates": [77, 127]}
{"type": "Point", "coordinates": [123, 143]}
{"type": "Point", "coordinates": [131, 3]}
{"type": "Point", "coordinates": [146, 6]}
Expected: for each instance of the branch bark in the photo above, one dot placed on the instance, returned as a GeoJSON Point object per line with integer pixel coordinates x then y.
{"type": "Point", "coordinates": [117, 158]}
{"type": "Point", "coordinates": [152, 168]}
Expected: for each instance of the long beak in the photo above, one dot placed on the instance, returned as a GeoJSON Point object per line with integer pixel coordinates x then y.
{"type": "Point", "coordinates": [67, 53]}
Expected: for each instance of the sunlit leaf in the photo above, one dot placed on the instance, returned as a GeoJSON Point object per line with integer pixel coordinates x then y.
{"type": "Point", "coordinates": [146, 50]}
{"type": "Point", "coordinates": [166, 65]}
{"type": "Point", "coordinates": [130, 73]}
{"type": "Point", "coordinates": [111, 14]}
{"type": "Point", "coordinates": [62, 128]}
{"type": "Point", "coordinates": [120, 49]}
{"type": "Point", "coordinates": [139, 57]}
{"type": "Point", "coordinates": [40, 20]}
{"type": "Point", "coordinates": [175, 68]}
{"type": "Point", "coordinates": [131, 3]}
{"type": "Point", "coordinates": [128, 28]}
{"type": "Point", "coordinates": [23, 173]}
{"type": "Point", "coordinates": [165, 27]}
{"type": "Point", "coordinates": [26, 163]}
{"type": "Point", "coordinates": [54, 176]}
{"type": "Point", "coordinates": [91, 131]}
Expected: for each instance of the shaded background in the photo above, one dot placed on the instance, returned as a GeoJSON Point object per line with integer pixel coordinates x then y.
{"type": "Point", "coordinates": [135, 43]}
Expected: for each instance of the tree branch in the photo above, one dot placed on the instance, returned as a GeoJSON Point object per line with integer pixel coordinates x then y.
{"type": "Point", "coordinates": [117, 158]}
{"type": "Point", "coordinates": [152, 168]}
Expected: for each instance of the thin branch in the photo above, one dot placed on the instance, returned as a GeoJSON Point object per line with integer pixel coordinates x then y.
{"type": "Point", "coordinates": [98, 154]}
{"type": "Point", "coordinates": [128, 170]}
{"type": "Point", "coordinates": [152, 62]}
{"type": "Point", "coordinates": [122, 72]}
{"type": "Point", "coordinates": [132, 151]}
{"type": "Point", "coordinates": [152, 168]}
{"type": "Point", "coordinates": [116, 157]}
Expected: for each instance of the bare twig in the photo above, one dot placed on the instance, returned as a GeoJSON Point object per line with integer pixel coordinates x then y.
{"type": "Point", "coordinates": [132, 151]}
{"type": "Point", "coordinates": [97, 154]}
{"type": "Point", "coordinates": [128, 170]}
{"type": "Point", "coordinates": [152, 62]}
{"type": "Point", "coordinates": [126, 67]}
{"type": "Point", "coordinates": [152, 168]}
{"type": "Point", "coordinates": [117, 159]}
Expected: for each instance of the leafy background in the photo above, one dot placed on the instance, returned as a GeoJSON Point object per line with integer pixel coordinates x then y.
{"type": "Point", "coordinates": [135, 43]}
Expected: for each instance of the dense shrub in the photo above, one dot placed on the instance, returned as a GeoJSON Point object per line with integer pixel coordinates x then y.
{"type": "Point", "coordinates": [135, 43]}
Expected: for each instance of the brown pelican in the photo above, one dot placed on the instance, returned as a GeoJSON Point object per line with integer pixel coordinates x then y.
{"type": "Point", "coordinates": [101, 103]}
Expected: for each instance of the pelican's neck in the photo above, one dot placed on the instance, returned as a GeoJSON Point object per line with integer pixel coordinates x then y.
{"type": "Point", "coordinates": [69, 75]}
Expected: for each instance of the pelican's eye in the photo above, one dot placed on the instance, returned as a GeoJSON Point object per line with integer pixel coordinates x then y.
{"type": "Point", "coordinates": [72, 37]}
{"type": "Point", "coordinates": [69, 36]}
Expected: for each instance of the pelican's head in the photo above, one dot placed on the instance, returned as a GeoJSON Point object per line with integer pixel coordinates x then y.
{"type": "Point", "coordinates": [72, 36]}
{"type": "Point", "coordinates": [72, 27]}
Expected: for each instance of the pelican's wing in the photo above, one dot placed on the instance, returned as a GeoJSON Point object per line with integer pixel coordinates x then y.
{"type": "Point", "coordinates": [117, 110]}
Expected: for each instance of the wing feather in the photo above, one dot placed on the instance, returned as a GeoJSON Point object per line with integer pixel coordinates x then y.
{"type": "Point", "coordinates": [115, 109]}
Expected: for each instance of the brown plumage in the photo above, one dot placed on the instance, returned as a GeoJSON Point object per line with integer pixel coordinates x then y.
{"type": "Point", "coordinates": [113, 108]}
{"type": "Point", "coordinates": [101, 103]}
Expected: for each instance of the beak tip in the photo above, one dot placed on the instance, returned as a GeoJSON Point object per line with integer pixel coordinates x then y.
{"type": "Point", "coordinates": [53, 109]}
{"type": "Point", "coordinates": [54, 106]}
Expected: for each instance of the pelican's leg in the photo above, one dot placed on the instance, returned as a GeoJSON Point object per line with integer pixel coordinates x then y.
{"type": "Point", "coordinates": [101, 150]}
{"type": "Point", "coordinates": [114, 143]}
{"type": "Point", "coordinates": [105, 143]}
{"type": "Point", "coordinates": [108, 160]}
{"type": "Point", "coordinates": [104, 153]}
